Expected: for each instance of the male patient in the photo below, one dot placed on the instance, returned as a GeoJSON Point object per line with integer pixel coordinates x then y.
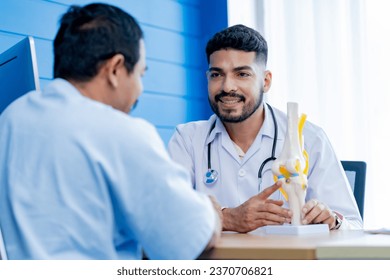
{"type": "Point", "coordinates": [79, 177]}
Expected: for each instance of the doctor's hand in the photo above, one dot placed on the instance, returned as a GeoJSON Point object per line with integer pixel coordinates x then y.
{"type": "Point", "coordinates": [256, 212]}
{"type": "Point", "coordinates": [316, 212]}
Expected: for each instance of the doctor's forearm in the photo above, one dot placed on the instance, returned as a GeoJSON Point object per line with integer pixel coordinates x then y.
{"type": "Point", "coordinates": [228, 220]}
{"type": "Point", "coordinates": [233, 221]}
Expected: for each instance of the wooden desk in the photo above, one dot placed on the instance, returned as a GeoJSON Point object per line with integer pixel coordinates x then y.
{"type": "Point", "coordinates": [304, 247]}
{"type": "Point", "coordinates": [365, 246]}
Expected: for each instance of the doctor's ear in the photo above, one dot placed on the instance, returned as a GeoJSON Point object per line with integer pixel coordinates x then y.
{"type": "Point", "coordinates": [113, 67]}
{"type": "Point", "coordinates": [267, 80]}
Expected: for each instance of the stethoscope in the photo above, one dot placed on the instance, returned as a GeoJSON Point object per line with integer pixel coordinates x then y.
{"type": "Point", "coordinates": [211, 176]}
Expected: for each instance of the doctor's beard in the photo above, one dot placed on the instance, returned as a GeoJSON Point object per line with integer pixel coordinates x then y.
{"type": "Point", "coordinates": [228, 116]}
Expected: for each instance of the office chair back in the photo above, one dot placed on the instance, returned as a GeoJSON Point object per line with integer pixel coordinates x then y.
{"type": "Point", "coordinates": [356, 174]}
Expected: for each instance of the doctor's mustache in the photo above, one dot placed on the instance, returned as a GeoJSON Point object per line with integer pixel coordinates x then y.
{"type": "Point", "coordinates": [226, 94]}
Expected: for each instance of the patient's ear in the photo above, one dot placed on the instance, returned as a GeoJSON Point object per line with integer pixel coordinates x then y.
{"type": "Point", "coordinates": [113, 68]}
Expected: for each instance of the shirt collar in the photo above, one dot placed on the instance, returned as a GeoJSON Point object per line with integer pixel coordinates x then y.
{"type": "Point", "coordinates": [62, 87]}
{"type": "Point", "coordinates": [215, 127]}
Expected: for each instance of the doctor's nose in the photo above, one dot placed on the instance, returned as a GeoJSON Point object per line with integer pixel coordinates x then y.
{"type": "Point", "coordinates": [229, 85]}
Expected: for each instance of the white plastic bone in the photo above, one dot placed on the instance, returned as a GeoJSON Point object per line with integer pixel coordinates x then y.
{"type": "Point", "coordinates": [292, 164]}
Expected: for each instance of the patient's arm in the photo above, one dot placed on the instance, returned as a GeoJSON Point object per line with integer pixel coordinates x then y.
{"type": "Point", "coordinates": [218, 224]}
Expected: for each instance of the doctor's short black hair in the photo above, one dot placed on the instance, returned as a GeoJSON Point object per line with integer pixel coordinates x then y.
{"type": "Point", "coordinates": [239, 37]}
{"type": "Point", "coordinates": [91, 34]}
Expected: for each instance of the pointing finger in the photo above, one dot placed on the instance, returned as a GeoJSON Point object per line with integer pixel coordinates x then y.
{"type": "Point", "coordinates": [270, 190]}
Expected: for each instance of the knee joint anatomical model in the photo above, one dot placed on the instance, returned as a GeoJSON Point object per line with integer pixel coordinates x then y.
{"type": "Point", "coordinates": [291, 168]}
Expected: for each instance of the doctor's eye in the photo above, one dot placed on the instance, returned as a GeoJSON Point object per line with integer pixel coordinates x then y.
{"type": "Point", "coordinates": [213, 75]}
{"type": "Point", "coordinates": [243, 74]}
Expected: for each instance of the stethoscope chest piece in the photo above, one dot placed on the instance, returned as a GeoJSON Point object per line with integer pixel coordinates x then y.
{"type": "Point", "coordinates": [210, 177]}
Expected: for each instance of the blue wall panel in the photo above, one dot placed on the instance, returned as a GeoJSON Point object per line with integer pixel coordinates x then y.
{"type": "Point", "coordinates": [8, 39]}
{"type": "Point", "coordinates": [175, 34]}
{"type": "Point", "coordinates": [173, 47]}
{"type": "Point", "coordinates": [37, 18]}
{"type": "Point", "coordinates": [164, 111]}
{"type": "Point", "coordinates": [174, 79]}
{"type": "Point", "coordinates": [45, 59]}
{"type": "Point", "coordinates": [164, 14]}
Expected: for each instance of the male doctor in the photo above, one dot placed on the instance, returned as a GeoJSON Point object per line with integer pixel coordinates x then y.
{"type": "Point", "coordinates": [224, 154]}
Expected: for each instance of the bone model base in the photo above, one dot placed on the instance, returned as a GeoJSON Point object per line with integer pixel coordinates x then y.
{"type": "Point", "coordinates": [291, 168]}
{"type": "Point", "coordinates": [292, 230]}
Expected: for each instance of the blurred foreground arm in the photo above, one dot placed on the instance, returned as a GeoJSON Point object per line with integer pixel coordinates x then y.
{"type": "Point", "coordinates": [218, 225]}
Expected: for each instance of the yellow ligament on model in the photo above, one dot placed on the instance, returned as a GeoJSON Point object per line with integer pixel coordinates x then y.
{"type": "Point", "coordinates": [283, 170]}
